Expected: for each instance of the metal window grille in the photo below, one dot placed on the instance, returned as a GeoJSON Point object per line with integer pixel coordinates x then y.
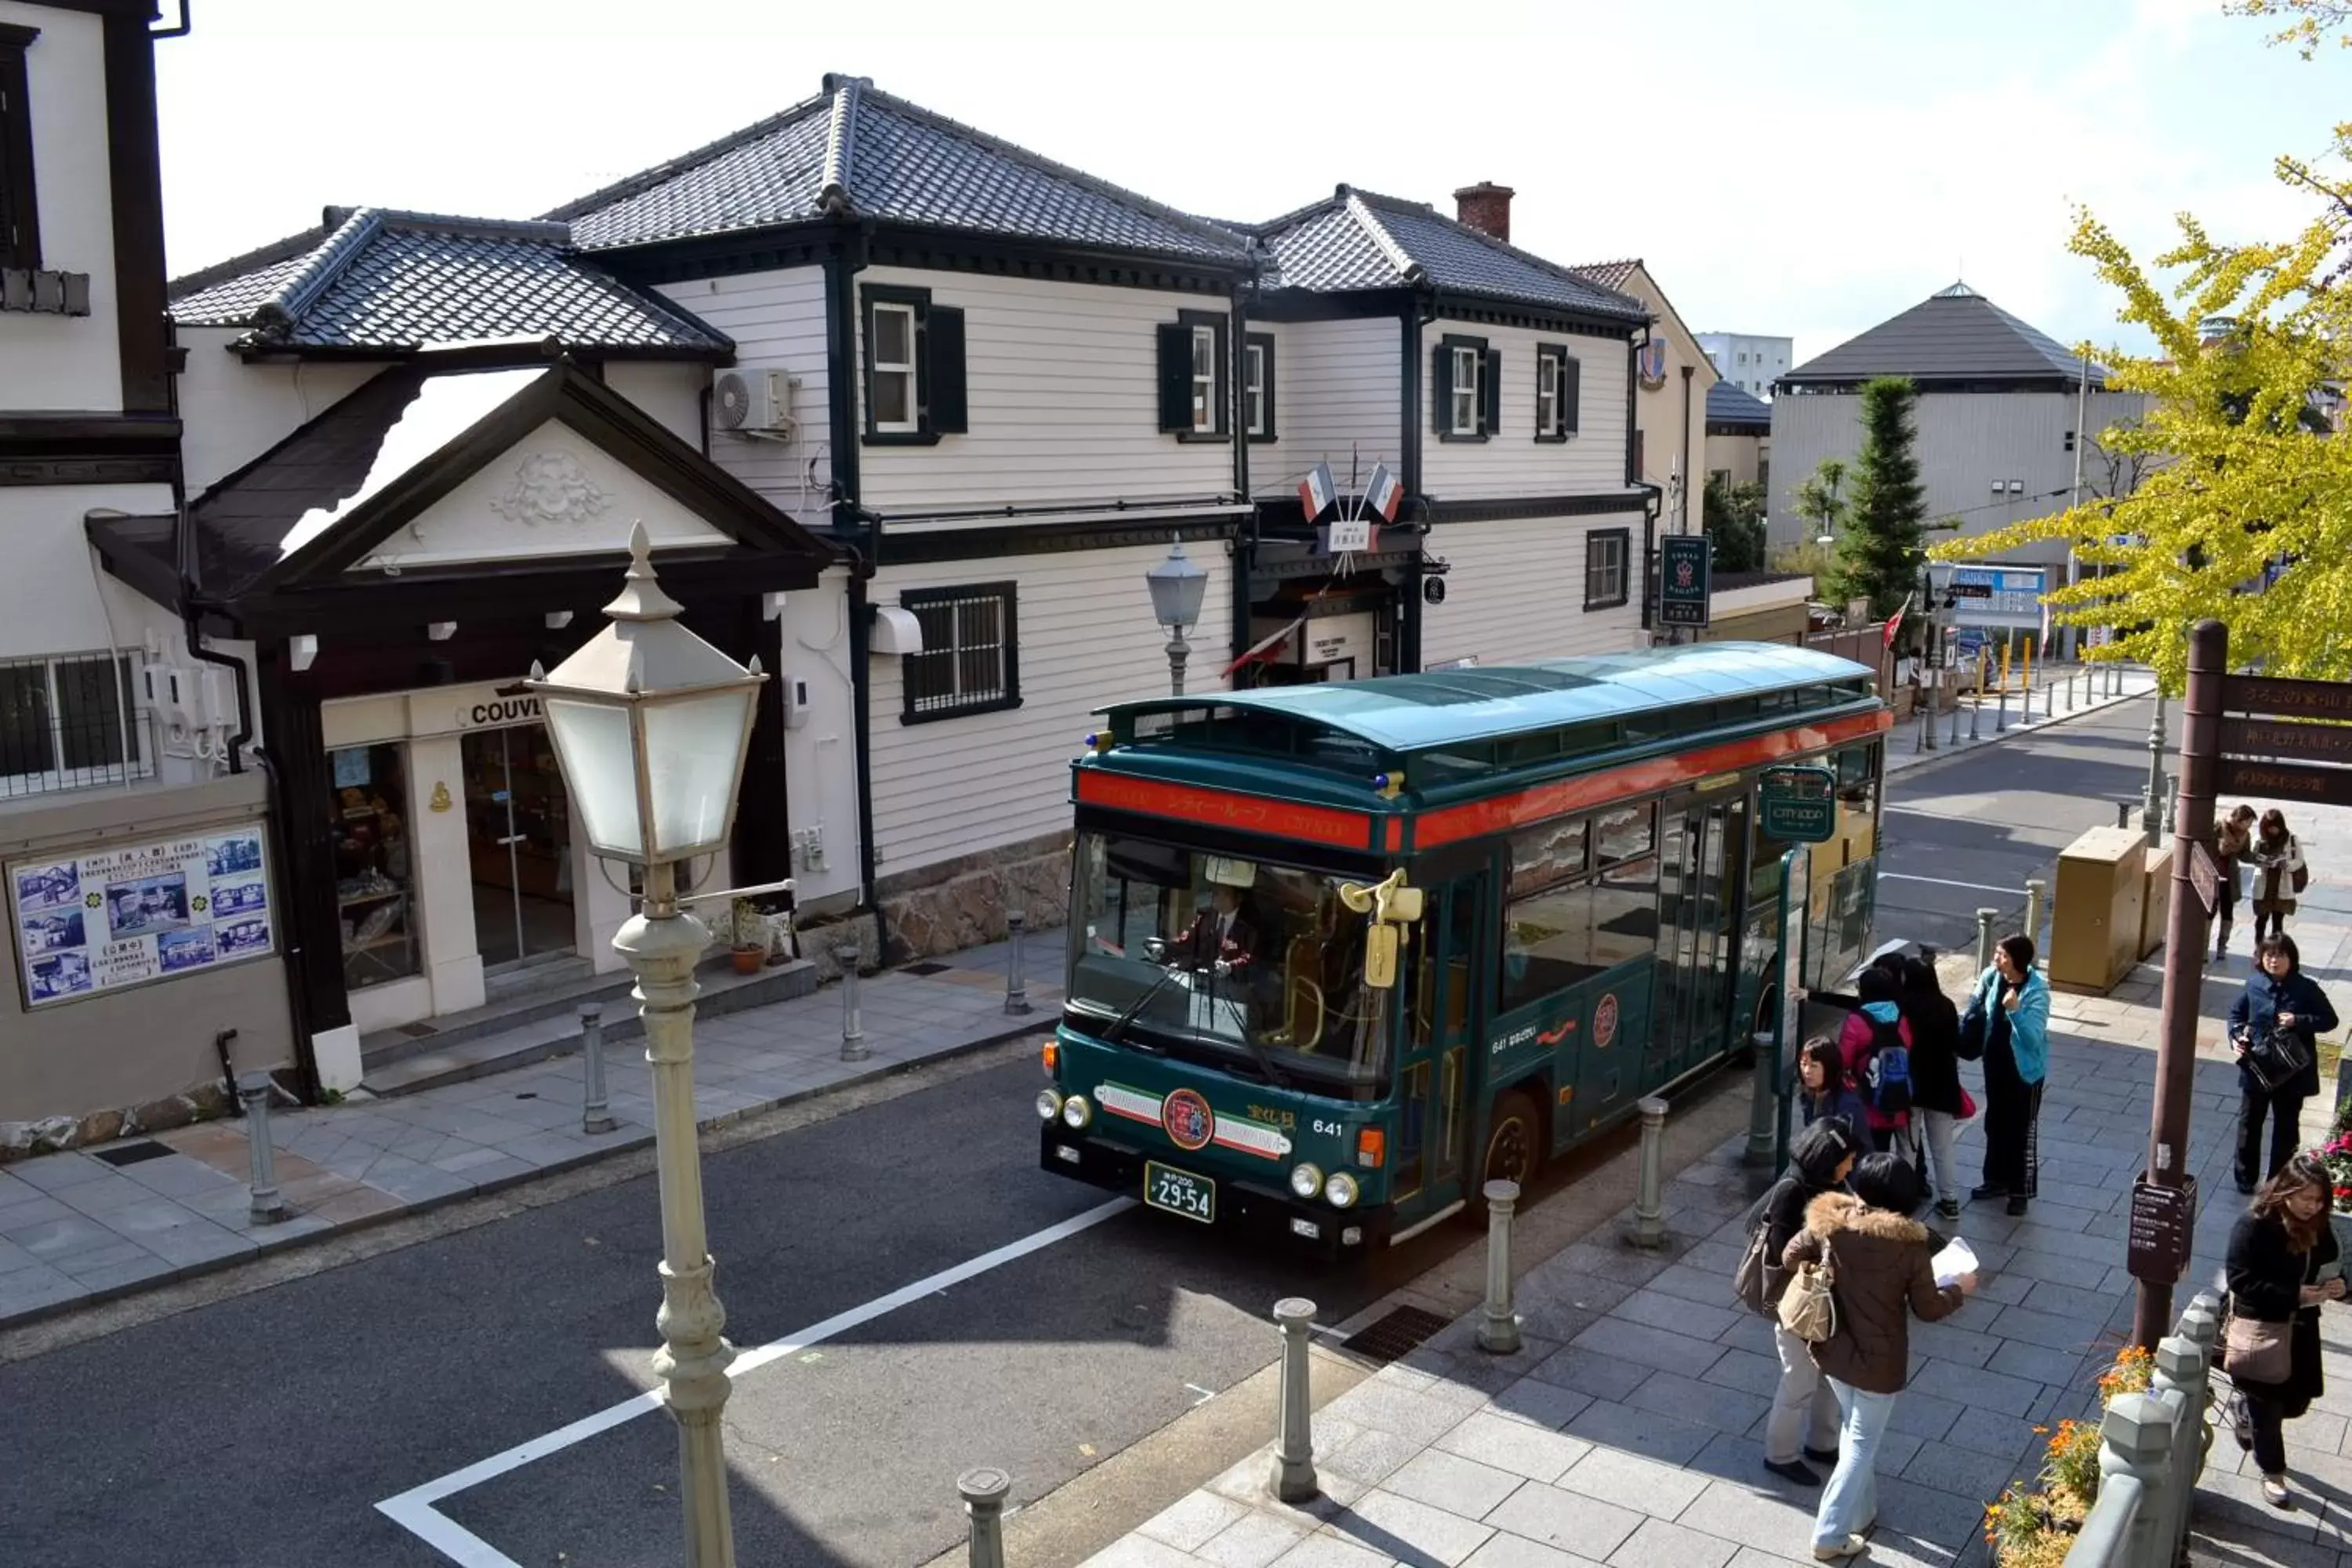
{"type": "Point", "coordinates": [69, 724]}
{"type": "Point", "coordinates": [963, 664]}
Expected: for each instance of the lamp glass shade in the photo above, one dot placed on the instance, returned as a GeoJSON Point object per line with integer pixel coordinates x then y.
{"type": "Point", "coordinates": [600, 768]}
{"type": "Point", "coordinates": [1176, 588]}
{"type": "Point", "coordinates": [694, 760]}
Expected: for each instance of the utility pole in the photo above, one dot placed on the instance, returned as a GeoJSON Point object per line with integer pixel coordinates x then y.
{"type": "Point", "coordinates": [2082, 439]}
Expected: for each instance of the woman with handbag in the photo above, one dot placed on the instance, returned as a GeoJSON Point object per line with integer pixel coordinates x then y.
{"type": "Point", "coordinates": [2233, 843]}
{"type": "Point", "coordinates": [2278, 1254]}
{"type": "Point", "coordinates": [1879, 1268]}
{"type": "Point", "coordinates": [1938, 1103]}
{"type": "Point", "coordinates": [2008, 1022]}
{"type": "Point", "coordinates": [2274, 1026]}
{"type": "Point", "coordinates": [1803, 1408]}
{"type": "Point", "coordinates": [2279, 873]}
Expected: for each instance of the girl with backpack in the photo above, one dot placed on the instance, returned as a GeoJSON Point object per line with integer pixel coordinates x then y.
{"type": "Point", "coordinates": [2008, 1021]}
{"type": "Point", "coordinates": [1803, 1408]}
{"type": "Point", "coordinates": [2279, 873]}
{"type": "Point", "coordinates": [1877, 1045]}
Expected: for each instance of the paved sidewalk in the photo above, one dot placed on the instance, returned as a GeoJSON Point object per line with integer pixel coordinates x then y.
{"type": "Point", "coordinates": [2079, 689]}
{"type": "Point", "coordinates": [88, 1225]}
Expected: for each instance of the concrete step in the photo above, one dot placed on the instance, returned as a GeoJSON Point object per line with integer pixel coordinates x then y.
{"type": "Point", "coordinates": [557, 1034]}
{"type": "Point", "coordinates": [559, 996]}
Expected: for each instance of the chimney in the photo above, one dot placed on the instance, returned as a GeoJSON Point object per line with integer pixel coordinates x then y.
{"type": "Point", "coordinates": [1486, 207]}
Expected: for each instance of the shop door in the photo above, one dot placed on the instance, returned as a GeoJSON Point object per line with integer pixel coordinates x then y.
{"type": "Point", "coordinates": [1692, 1001]}
{"type": "Point", "coordinates": [1432, 1083]}
{"type": "Point", "coordinates": [518, 838]}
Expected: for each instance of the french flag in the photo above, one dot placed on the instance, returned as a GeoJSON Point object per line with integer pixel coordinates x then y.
{"type": "Point", "coordinates": [1383, 494]}
{"type": "Point", "coordinates": [1317, 491]}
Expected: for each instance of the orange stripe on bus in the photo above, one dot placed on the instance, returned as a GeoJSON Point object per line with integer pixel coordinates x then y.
{"type": "Point", "coordinates": [1321, 824]}
{"type": "Point", "coordinates": [1477, 818]}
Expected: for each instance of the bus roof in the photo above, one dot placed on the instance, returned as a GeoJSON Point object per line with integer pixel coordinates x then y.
{"type": "Point", "coordinates": [1403, 714]}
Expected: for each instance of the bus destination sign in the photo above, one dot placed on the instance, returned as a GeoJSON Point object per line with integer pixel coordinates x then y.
{"type": "Point", "coordinates": [1799, 804]}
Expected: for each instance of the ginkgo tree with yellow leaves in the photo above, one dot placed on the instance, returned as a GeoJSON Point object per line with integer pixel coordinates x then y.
{"type": "Point", "coordinates": [2244, 510]}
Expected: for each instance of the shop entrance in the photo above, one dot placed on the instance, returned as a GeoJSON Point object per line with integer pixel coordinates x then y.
{"type": "Point", "coordinates": [518, 838]}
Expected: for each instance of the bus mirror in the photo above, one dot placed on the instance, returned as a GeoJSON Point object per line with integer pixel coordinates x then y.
{"type": "Point", "coordinates": [1380, 957]}
{"type": "Point", "coordinates": [1404, 905]}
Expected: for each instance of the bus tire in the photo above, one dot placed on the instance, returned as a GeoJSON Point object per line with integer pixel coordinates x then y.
{"type": "Point", "coordinates": [1514, 1142]}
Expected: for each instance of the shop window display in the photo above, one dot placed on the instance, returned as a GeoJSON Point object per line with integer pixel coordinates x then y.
{"type": "Point", "coordinates": [373, 869]}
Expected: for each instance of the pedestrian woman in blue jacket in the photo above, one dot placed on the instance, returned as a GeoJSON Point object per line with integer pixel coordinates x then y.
{"type": "Point", "coordinates": [1823, 1091]}
{"type": "Point", "coordinates": [2279, 996]}
{"type": "Point", "coordinates": [2010, 1012]}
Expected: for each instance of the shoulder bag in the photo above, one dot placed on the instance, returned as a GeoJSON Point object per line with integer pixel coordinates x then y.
{"type": "Point", "coordinates": [2256, 1351]}
{"type": "Point", "coordinates": [1747, 1282]}
{"type": "Point", "coordinates": [1808, 1308]}
{"type": "Point", "coordinates": [1976, 1028]}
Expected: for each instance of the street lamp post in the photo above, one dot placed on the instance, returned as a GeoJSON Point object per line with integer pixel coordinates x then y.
{"type": "Point", "coordinates": [651, 725]}
{"type": "Point", "coordinates": [1176, 588]}
{"type": "Point", "coordinates": [2151, 806]}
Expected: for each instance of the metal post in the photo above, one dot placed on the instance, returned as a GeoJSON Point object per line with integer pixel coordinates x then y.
{"type": "Point", "coordinates": [983, 1492]}
{"type": "Point", "coordinates": [1650, 1204]}
{"type": "Point", "coordinates": [253, 1093]}
{"type": "Point", "coordinates": [1178, 651]}
{"type": "Point", "coordinates": [2000, 704]}
{"type": "Point", "coordinates": [1984, 938]}
{"type": "Point", "coordinates": [1293, 1480]}
{"type": "Point", "coordinates": [2184, 948]}
{"type": "Point", "coordinates": [2036, 891]}
{"type": "Point", "coordinates": [595, 1115]}
{"type": "Point", "coordinates": [1976, 703]}
{"type": "Point", "coordinates": [1953, 738]}
{"type": "Point", "coordinates": [2136, 1440]}
{"type": "Point", "coordinates": [1764, 1104]}
{"type": "Point", "coordinates": [1499, 1331]}
{"type": "Point", "coordinates": [2124, 810]}
{"type": "Point", "coordinates": [2071, 673]}
{"type": "Point", "coordinates": [853, 1030]}
{"type": "Point", "coordinates": [1016, 985]}
{"type": "Point", "coordinates": [2151, 806]}
{"type": "Point", "coordinates": [663, 944]}
{"type": "Point", "coordinates": [2171, 799]}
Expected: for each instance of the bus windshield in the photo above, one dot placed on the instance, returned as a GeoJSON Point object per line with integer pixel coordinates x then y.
{"type": "Point", "coordinates": [1250, 965]}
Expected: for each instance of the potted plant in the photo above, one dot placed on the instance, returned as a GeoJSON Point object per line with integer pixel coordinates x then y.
{"type": "Point", "coordinates": [751, 949]}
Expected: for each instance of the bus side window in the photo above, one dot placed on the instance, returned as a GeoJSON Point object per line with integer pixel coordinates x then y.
{"type": "Point", "coordinates": [1567, 927]}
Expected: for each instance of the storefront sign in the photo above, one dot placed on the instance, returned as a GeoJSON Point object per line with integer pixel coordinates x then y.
{"type": "Point", "coordinates": [1799, 806]}
{"type": "Point", "coordinates": [118, 918]}
{"type": "Point", "coordinates": [1684, 585]}
{"type": "Point", "coordinates": [494, 711]}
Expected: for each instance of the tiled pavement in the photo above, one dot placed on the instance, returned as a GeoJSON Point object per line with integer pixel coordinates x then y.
{"type": "Point", "coordinates": [75, 1227]}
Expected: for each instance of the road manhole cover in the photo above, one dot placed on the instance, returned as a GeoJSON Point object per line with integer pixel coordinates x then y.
{"type": "Point", "coordinates": [1394, 1335]}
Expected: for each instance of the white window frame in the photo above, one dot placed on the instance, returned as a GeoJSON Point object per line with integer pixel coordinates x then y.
{"type": "Point", "coordinates": [1466, 417]}
{"type": "Point", "coordinates": [133, 720]}
{"type": "Point", "coordinates": [1204, 381]}
{"type": "Point", "coordinates": [1548, 393]}
{"type": "Point", "coordinates": [1254, 387]}
{"type": "Point", "coordinates": [882, 367]}
{"type": "Point", "coordinates": [1616, 575]}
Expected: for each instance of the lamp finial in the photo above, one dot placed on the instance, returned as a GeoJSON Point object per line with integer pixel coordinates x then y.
{"type": "Point", "coordinates": [641, 597]}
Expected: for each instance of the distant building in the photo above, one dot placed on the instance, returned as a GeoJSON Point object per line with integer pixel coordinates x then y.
{"type": "Point", "coordinates": [1750, 363]}
{"type": "Point", "coordinates": [1677, 387]}
{"type": "Point", "coordinates": [1997, 416]}
{"type": "Point", "coordinates": [1738, 437]}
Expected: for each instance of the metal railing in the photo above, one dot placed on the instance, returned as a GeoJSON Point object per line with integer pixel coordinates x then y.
{"type": "Point", "coordinates": [2152, 1451]}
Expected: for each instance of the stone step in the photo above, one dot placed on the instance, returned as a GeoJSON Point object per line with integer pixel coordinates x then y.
{"type": "Point", "coordinates": [558, 997]}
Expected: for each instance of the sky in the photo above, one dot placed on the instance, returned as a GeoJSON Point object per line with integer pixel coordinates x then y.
{"type": "Point", "coordinates": [1806, 168]}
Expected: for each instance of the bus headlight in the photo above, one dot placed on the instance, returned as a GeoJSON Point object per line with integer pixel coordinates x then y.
{"type": "Point", "coordinates": [1305, 1180]}
{"type": "Point", "coordinates": [1342, 1190]}
{"type": "Point", "coordinates": [1049, 1105]}
{"type": "Point", "coordinates": [1076, 1112]}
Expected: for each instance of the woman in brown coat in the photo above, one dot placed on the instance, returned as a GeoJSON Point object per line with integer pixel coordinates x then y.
{"type": "Point", "coordinates": [1881, 1274]}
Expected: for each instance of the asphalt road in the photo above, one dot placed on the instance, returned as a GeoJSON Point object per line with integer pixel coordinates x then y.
{"type": "Point", "coordinates": [1965, 832]}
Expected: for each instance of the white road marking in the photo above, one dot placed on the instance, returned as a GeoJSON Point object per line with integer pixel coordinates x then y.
{"type": "Point", "coordinates": [1943, 882]}
{"type": "Point", "coordinates": [1206, 1393]}
{"type": "Point", "coordinates": [413, 1512]}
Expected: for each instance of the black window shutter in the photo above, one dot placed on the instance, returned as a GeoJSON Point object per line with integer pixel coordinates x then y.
{"type": "Point", "coordinates": [1571, 379]}
{"type": "Point", "coordinates": [1225, 380]}
{"type": "Point", "coordinates": [943, 366]}
{"type": "Point", "coordinates": [1492, 393]}
{"type": "Point", "coordinates": [1175, 376]}
{"type": "Point", "coordinates": [1441, 390]}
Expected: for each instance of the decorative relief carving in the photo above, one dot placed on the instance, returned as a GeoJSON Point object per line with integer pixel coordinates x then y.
{"type": "Point", "coordinates": [550, 487]}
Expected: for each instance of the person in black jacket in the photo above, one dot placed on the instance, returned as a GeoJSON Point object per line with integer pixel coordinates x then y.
{"type": "Point", "coordinates": [2282, 1264]}
{"type": "Point", "coordinates": [1935, 1103]}
{"type": "Point", "coordinates": [1803, 1406]}
{"type": "Point", "coordinates": [2279, 997]}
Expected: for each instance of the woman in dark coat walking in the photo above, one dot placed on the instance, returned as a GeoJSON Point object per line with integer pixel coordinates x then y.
{"type": "Point", "coordinates": [2281, 997]}
{"type": "Point", "coordinates": [1938, 1106]}
{"type": "Point", "coordinates": [2278, 1254]}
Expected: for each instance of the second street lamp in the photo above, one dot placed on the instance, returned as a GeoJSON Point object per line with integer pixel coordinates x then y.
{"type": "Point", "coordinates": [651, 726]}
{"type": "Point", "coordinates": [1178, 587]}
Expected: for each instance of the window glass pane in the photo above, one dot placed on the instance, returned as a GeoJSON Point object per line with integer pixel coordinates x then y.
{"type": "Point", "coordinates": [89, 711]}
{"type": "Point", "coordinates": [1626, 833]}
{"type": "Point", "coordinates": [1546, 856]}
{"type": "Point", "coordinates": [1256, 360]}
{"type": "Point", "coordinates": [1204, 351]}
{"type": "Point", "coordinates": [894, 335]}
{"type": "Point", "coordinates": [367, 807]}
{"type": "Point", "coordinates": [894, 400]}
{"type": "Point", "coordinates": [24, 738]}
{"type": "Point", "coordinates": [1556, 939]}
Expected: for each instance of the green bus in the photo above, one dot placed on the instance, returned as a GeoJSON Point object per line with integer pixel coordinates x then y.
{"type": "Point", "coordinates": [1340, 953]}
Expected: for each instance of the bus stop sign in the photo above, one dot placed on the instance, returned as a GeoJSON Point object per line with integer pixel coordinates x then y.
{"type": "Point", "coordinates": [1800, 804]}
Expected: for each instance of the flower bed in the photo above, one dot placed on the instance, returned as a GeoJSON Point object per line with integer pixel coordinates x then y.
{"type": "Point", "coordinates": [2034, 1527]}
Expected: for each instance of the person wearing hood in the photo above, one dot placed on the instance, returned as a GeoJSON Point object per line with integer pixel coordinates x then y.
{"type": "Point", "coordinates": [1803, 1408]}
{"type": "Point", "coordinates": [2278, 998]}
{"type": "Point", "coordinates": [1881, 1273]}
{"type": "Point", "coordinates": [2008, 1014]}
{"type": "Point", "coordinates": [1859, 1041]}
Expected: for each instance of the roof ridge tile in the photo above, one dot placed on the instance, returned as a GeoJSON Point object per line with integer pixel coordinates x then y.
{"type": "Point", "coordinates": [300, 243]}
{"type": "Point", "coordinates": [671, 168]}
{"type": "Point", "coordinates": [305, 283]}
{"type": "Point", "coordinates": [832, 192]}
{"type": "Point", "coordinates": [1407, 268]}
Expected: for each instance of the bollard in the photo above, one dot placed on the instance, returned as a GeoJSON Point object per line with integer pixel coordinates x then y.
{"type": "Point", "coordinates": [983, 1492]}
{"type": "Point", "coordinates": [1499, 1331]}
{"type": "Point", "coordinates": [1293, 1479]}
{"type": "Point", "coordinates": [1649, 1204]}
{"type": "Point", "coordinates": [1016, 986]}
{"type": "Point", "coordinates": [2069, 690]}
{"type": "Point", "coordinates": [2000, 709]}
{"type": "Point", "coordinates": [1984, 938]}
{"type": "Point", "coordinates": [1976, 707]}
{"type": "Point", "coordinates": [1953, 738]}
{"type": "Point", "coordinates": [595, 1115]}
{"type": "Point", "coordinates": [2171, 801]}
{"type": "Point", "coordinates": [853, 1032]}
{"type": "Point", "coordinates": [2036, 891]}
{"type": "Point", "coordinates": [2124, 810]}
{"type": "Point", "coordinates": [253, 1093]}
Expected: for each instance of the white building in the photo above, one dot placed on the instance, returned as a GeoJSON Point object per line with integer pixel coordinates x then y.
{"type": "Point", "coordinates": [1747, 361]}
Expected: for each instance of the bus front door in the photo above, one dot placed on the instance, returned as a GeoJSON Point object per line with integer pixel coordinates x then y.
{"type": "Point", "coordinates": [1692, 1000]}
{"type": "Point", "coordinates": [1433, 1088]}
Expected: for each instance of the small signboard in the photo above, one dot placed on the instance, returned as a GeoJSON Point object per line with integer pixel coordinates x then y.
{"type": "Point", "coordinates": [2162, 1220]}
{"type": "Point", "coordinates": [2204, 875]}
{"type": "Point", "coordinates": [2285, 738]}
{"type": "Point", "coordinates": [2286, 699]}
{"type": "Point", "coordinates": [1799, 804]}
{"type": "Point", "coordinates": [2275, 780]}
{"type": "Point", "coordinates": [1685, 563]}
{"type": "Point", "coordinates": [1350, 533]}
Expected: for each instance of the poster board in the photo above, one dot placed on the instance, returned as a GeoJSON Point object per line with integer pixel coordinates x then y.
{"type": "Point", "coordinates": [110, 919]}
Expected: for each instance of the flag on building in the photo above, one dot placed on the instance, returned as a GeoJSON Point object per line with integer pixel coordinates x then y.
{"type": "Point", "coordinates": [1383, 494]}
{"type": "Point", "coordinates": [1317, 491]}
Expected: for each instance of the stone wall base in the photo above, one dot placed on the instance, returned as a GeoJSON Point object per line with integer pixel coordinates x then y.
{"type": "Point", "coordinates": [48, 1134]}
{"type": "Point", "coordinates": [959, 903]}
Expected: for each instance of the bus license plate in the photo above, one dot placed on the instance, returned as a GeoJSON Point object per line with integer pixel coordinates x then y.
{"type": "Point", "coordinates": [1179, 1192]}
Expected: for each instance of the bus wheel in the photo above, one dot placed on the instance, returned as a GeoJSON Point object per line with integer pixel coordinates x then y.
{"type": "Point", "coordinates": [1514, 1145]}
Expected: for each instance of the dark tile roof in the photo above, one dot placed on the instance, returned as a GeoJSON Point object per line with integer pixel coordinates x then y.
{"type": "Point", "coordinates": [1957, 336]}
{"type": "Point", "coordinates": [1356, 239]}
{"type": "Point", "coordinates": [856, 152]}
{"type": "Point", "coordinates": [1608, 274]}
{"type": "Point", "coordinates": [1728, 405]}
{"type": "Point", "coordinates": [372, 280]}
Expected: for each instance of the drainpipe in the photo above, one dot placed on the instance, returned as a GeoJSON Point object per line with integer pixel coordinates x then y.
{"type": "Point", "coordinates": [861, 690]}
{"type": "Point", "coordinates": [1652, 498]}
{"type": "Point", "coordinates": [1689, 468]}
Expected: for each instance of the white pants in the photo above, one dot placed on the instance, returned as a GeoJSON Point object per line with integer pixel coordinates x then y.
{"type": "Point", "coordinates": [1941, 1130]}
{"type": "Point", "coordinates": [1802, 1404]}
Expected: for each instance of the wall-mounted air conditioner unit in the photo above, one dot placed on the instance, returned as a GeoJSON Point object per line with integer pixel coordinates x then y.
{"type": "Point", "coordinates": [754, 401]}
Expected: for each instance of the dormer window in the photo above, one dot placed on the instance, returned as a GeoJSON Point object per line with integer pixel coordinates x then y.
{"type": "Point", "coordinates": [20, 218]}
